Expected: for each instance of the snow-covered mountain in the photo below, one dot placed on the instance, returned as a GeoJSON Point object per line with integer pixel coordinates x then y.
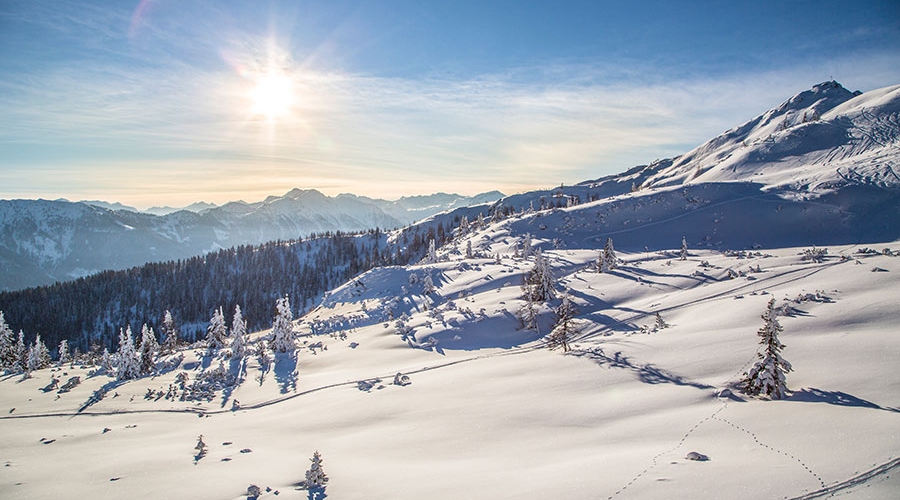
{"type": "Point", "coordinates": [198, 207]}
{"type": "Point", "coordinates": [45, 241]}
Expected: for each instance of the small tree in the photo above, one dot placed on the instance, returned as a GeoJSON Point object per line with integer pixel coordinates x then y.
{"type": "Point", "coordinates": [539, 282]}
{"type": "Point", "coordinates": [767, 376]}
{"type": "Point", "coordinates": [431, 257]}
{"type": "Point", "coordinates": [63, 352]}
{"type": "Point", "coordinates": [469, 253]}
{"type": "Point", "coordinates": [149, 348]}
{"type": "Point", "coordinates": [38, 355]}
{"type": "Point", "coordinates": [8, 359]}
{"type": "Point", "coordinates": [608, 260]}
{"type": "Point", "coordinates": [21, 353]}
{"type": "Point", "coordinates": [526, 246]}
{"type": "Point", "coordinates": [128, 365]}
{"type": "Point", "coordinates": [315, 476]}
{"type": "Point", "coordinates": [107, 363]}
{"type": "Point", "coordinates": [216, 331]}
{"type": "Point", "coordinates": [283, 327]}
{"type": "Point", "coordinates": [529, 314]}
{"type": "Point", "coordinates": [170, 330]}
{"type": "Point", "coordinates": [684, 252]}
{"type": "Point", "coordinates": [428, 284]}
{"type": "Point", "coordinates": [238, 334]}
{"type": "Point", "coordinates": [565, 328]}
{"type": "Point", "coordinates": [660, 322]}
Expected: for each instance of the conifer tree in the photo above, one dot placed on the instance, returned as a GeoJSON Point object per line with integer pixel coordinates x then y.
{"type": "Point", "coordinates": [526, 246]}
{"type": "Point", "coordinates": [315, 476]}
{"type": "Point", "coordinates": [684, 251]}
{"type": "Point", "coordinates": [428, 284]}
{"type": "Point", "coordinates": [283, 327]}
{"type": "Point", "coordinates": [539, 282]}
{"type": "Point", "coordinates": [149, 348]}
{"type": "Point", "coordinates": [21, 353]}
{"type": "Point", "coordinates": [608, 260]}
{"type": "Point", "coordinates": [216, 331]}
{"type": "Point", "coordinates": [529, 314]}
{"type": "Point", "coordinates": [469, 254]}
{"type": "Point", "coordinates": [431, 257]}
{"type": "Point", "coordinates": [38, 355]}
{"type": "Point", "coordinates": [767, 376]}
{"type": "Point", "coordinates": [8, 358]}
{"type": "Point", "coordinates": [238, 334]}
{"type": "Point", "coordinates": [171, 333]}
{"type": "Point", "coordinates": [128, 365]}
{"type": "Point", "coordinates": [63, 352]}
{"type": "Point", "coordinates": [480, 221]}
{"type": "Point", "coordinates": [106, 362]}
{"type": "Point", "coordinates": [565, 327]}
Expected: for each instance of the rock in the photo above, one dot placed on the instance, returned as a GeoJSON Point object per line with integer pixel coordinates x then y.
{"type": "Point", "coordinates": [696, 456]}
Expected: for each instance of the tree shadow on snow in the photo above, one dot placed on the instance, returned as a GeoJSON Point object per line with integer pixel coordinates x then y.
{"type": "Point", "coordinates": [647, 373]}
{"type": "Point", "coordinates": [286, 371]}
{"type": "Point", "coordinates": [813, 395]}
{"type": "Point", "coordinates": [100, 393]}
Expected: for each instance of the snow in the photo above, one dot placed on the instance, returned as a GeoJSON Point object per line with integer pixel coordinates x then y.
{"type": "Point", "coordinates": [614, 418]}
{"type": "Point", "coordinates": [487, 411]}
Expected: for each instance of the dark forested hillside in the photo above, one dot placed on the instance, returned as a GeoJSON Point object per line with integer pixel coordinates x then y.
{"type": "Point", "coordinates": [91, 310]}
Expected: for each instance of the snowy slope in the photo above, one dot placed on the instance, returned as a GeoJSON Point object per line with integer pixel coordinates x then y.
{"type": "Point", "coordinates": [488, 412]}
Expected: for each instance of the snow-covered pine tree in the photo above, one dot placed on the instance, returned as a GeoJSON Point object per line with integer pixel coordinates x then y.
{"type": "Point", "coordinates": [7, 345]}
{"type": "Point", "coordinates": [216, 331]}
{"type": "Point", "coordinates": [38, 355]}
{"type": "Point", "coordinates": [528, 314]}
{"type": "Point", "coordinates": [238, 334]}
{"type": "Point", "coordinates": [21, 353]}
{"type": "Point", "coordinates": [63, 356]}
{"type": "Point", "coordinates": [283, 326]}
{"type": "Point", "coordinates": [149, 348]}
{"type": "Point", "coordinates": [464, 225]}
{"type": "Point", "coordinates": [480, 221]}
{"type": "Point", "coordinates": [609, 260]}
{"type": "Point", "coordinates": [683, 254]}
{"type": "Point", "coordinates": [171, 333]}
{"type": "Point", "coordinates": [128, 365]}
{"type": "Point", "coordinates": [526, 246]}
{"type": "Point", "coordinates": [106, 362]}
{"type": "Point", "coordinates": [767, 376]}
{"type": "Point", "coordinates": [431, 257]}
{"type": "Point", "coordinates": [469, 254]}
{"type": "Point", "coordinates": [539, 282]}
{"type": "Point", "coordinates": [315, 476]}
{"type": "Point", "coordinates": [565, 327]}
{"type": "Point", "coordinates": [428, 284]}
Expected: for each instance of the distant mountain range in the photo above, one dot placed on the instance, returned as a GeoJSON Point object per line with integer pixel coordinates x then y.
{"type": "Point", "coordinates": [42, 241]}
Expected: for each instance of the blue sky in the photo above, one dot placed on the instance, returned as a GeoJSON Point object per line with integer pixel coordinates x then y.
{"type": "Point", "coordinates": [174, 101]}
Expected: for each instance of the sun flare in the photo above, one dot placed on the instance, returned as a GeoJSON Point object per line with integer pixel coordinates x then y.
{"type": "Point", "coordinates": [273, 95]}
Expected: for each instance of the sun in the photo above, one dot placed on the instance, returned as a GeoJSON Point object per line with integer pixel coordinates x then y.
{"type": "Point", "coordinates": [273, 95]}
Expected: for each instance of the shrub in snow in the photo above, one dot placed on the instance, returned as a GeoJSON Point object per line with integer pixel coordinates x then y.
{"type": "Point", "coordinates": [315, 476]}
{"type": "Point", "coordinates": [253, 491]}
{"type": "Point", "coordinates": [283, 327]}
{"type": "Point", "coordinates": [767, 376]}
{"type": "Point", "coordinates": [431, 257]}
{"type": "Point", "coordinates": [814, 254]}
{"type": "Point", "coordinates": [201, 449]}
{"type": "Point", "coordinates": [660, 322]}
{"type": "Point", "coordinates": [428, 284]}
{"type": "Point", "coordinates": [401, 379]}
{"type": "Point", "coordinates": [216, 332]}
{"type": "Point", "coordinates": [683, 254]}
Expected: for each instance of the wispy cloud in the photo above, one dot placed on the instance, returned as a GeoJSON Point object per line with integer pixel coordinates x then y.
{"type": "Point", "coordinates": [178, 125]}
